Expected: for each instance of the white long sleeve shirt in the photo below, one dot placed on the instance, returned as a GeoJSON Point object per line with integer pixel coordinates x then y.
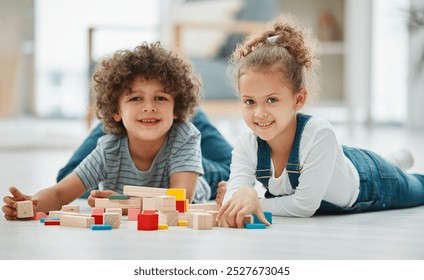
{"type": "Point", "coordinates": [327, 174]}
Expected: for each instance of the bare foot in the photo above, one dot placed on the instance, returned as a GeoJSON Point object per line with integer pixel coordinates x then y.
{"type": "Point", "coordinates": [220, 192]}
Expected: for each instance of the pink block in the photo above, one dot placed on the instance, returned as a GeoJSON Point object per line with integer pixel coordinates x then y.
{"type": "Point", "coordinates": [97, 211]}
{"type": "Point", "coordinates": [40, 215]}
{"type": "Point", "coordinates": [133, 214]}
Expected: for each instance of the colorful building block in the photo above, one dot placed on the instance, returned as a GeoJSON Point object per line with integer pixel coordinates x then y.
{"type": "Point", "coordinates": [52, 222]}
{"type": "Point", "coordinates": [133, 214]}
{"type": "Point", "coordinates": [268, 216]}
{"type": "Point", "coordinates": [181, 205]}
{"type": "Point", "coordinates": [147, 221]}
{"type": "Point", "coordinates": [40, 215]}
{"type": "Point", "coordinates": [255, 226]}
{"type": "Point", "coordinates": [98, 219]}
{"type": "Point", "coordinates": [101, 227]}
{"type": "Point", "coordinates": [180, 194]}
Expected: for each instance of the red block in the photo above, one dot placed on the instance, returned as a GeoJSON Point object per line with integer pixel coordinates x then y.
{"type": "Point", "coordinates": [148, 220]}
{"type": "Point", "coordinates": [52, 222]}
{"type": "Point", "coordinates": [98, 219]}
{"type": "Point", "coordinates": [180, 205]}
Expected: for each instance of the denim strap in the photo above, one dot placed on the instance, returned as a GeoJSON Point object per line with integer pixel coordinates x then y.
{"type": "Point", "coordinates": [263, 168]}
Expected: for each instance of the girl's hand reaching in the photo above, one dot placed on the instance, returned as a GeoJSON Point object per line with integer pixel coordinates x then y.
{"type": "Point", "coordinates": [244, 202]}
{"type": "Point", "coordinates": [9, 209]}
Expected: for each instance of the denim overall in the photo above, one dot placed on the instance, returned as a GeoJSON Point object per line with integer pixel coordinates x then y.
{"type": "Point", "coordinates": [382, 185]}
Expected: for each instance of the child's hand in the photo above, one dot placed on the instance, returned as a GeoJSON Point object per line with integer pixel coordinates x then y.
{"type": "Point", "coordinates": [220, 192]}
{"type": "Point", "coordinates": [99, 194]}
{"type": "Point", "coordinates": [9, 209]}
{"type": "Point", "coordinates": [244, 202]}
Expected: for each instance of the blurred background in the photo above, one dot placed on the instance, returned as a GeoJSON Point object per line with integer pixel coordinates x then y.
{"type": "Point", "coordinates": [371, 51]}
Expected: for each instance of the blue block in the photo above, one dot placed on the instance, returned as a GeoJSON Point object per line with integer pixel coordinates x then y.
{"type": "Point", "coordinates": [101, 227]}
{"type": "Point", "coordinates": [255, 226]}
{"type": "Point", "coordinates": [268, 216]}
{"type": "Point", "coordinates": [49, 219]}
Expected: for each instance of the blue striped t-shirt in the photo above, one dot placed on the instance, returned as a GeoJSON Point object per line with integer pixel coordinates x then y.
{"type": "Point", "coordinates": [110, 166]}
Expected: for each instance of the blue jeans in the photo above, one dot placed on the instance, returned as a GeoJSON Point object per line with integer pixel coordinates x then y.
{"type": "Point", "coordinates": [216, 152]}
{"type": "Point", "coordinates": [382, 185]}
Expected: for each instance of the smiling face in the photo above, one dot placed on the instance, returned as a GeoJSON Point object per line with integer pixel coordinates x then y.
{"type": "Point", "coordinates": [146, 110]}
{"type": "Point", "coordinates": [269, 105]}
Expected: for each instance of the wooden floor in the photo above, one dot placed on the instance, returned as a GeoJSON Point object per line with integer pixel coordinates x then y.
{"type": "Point", "coordinates": [30, 159]}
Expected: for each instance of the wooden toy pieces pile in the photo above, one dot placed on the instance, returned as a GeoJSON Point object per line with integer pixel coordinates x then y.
{"type": "Point", "coordinates": [152, 208]}
{"type": "Point", "coordinates": [160, 208]}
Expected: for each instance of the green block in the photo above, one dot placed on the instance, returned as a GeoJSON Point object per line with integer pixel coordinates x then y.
{"type": "Point", "coordinates": [119, 197]}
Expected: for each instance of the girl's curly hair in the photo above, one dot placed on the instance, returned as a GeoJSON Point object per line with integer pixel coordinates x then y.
{"type": "Point", "coordinates": [113, 76]}
{"type": "Point", "coordinates": [289, 51]}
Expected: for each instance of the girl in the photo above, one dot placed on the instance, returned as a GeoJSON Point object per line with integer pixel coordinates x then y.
{"type": "Point", "coordinates": [144, 98]}
{"type": "Point", "coordinates": [297, 157]}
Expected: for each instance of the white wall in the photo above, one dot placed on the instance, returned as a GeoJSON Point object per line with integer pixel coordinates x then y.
{"type": "Point", "coordinates": [390, 43]}
{"type": "Point", "coordinates": [61, 37]}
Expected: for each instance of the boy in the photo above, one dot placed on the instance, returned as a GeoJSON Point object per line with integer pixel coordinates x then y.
{"type": "Point", "coordinates": [144, 98]}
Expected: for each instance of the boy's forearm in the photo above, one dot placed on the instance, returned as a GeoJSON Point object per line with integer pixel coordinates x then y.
{"type": "Point", "coordinates": [47, 200]}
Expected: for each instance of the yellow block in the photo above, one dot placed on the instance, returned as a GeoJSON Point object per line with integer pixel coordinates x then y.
{"type": "Point", "coordinates": [180, 194]}
{"type": "Point", "coordinates": [182, 223]}
{"type": "Point", "coordinates": [162, 226]}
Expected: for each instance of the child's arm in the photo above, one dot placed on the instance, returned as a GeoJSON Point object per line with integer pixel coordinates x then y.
{"type": "Point", "coordinates": [52, 198]}
{"type": "Point", "coordinates": [186, 180]}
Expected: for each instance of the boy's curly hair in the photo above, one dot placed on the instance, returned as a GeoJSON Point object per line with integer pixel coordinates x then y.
{"type": "Point", "coordinates": [113, 76]}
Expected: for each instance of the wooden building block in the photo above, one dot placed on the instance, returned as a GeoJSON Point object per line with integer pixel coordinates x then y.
{"type": "Point", "coordinates": [143, 191]}
{"type": "Point", "coordinates": [115, 210]}
{"type": "Point", "coordinates": [205, 206]}
{"type": "Point", "coordinates": [255, 226]}
{"type": "Point", "coordinates": [214, 214]}
{"type": "Point", "coordinates": [76, 221]}
{"type": "Point", "coordinates": [170, 218]}
{"type": "Point", "coordinates": [24, 209]}
{"type": "Point", "coordinates": [133, 202]}
{"type": "Point", "coordinates": [180, 194]}
{"type": "Point", "coordinates": [202, 220]}
{"type": "Point", "coordinates": [97, 211]}
{"type": "Point", "coordinates": [133, 213]}
{"type": "Point", "coordinates": [180, 205]}
{"type": "Point", "coordinates": [268, 216]}
{"type": "Point", "coordinates": [113, 219]}
{"type": "Point", "coordinates": [189, 216]}
{"type": "Point", "coordinates": [118, 197]}
{"type": "Point", "coordinates": [98, 219]}
{"type": "Point", "coordinates": [165, 203]}
{"type": "Point", "coordinates": [101, 227]}
{"type": "Point", "coordinates": [162, 226]}
{"type": "Point", "coordinates": [149, 203]}
{"type": "Point", "coordinates": [42, 220]}
{"type": "Point", "coordinates": [71, 208]}
{"type": "Point", "coordinates": [40, 215]}
{"type": "Point", "coordinates": [182, 223]}
{"type": "Point", "coordinates": [147, 221]}
{"type": "Point", "coordinates": [52, 222]}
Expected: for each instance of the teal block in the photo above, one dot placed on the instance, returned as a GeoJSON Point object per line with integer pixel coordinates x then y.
{"type": "Point", "coordinates": [101, 227]}
{"type": "Point", "coordinates": [268, 216]}
{"type": "Point", "coordinates": [119, 197]}
{"type": "Point", "coordinates": [49, 219]}
{"type": "Point", "coordinates": [255, 226]}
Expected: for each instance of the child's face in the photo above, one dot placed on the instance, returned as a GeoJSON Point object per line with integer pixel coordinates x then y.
{"type": "Point", "coordinates": [269, 106]}
{"type": "Point", "coordinates": [147, 111]}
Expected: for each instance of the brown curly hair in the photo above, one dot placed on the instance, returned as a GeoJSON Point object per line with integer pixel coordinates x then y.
{"type": "Point", "coordinates": [291, 53]}
{"type": "Point", "coordinates": [113, 76]}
